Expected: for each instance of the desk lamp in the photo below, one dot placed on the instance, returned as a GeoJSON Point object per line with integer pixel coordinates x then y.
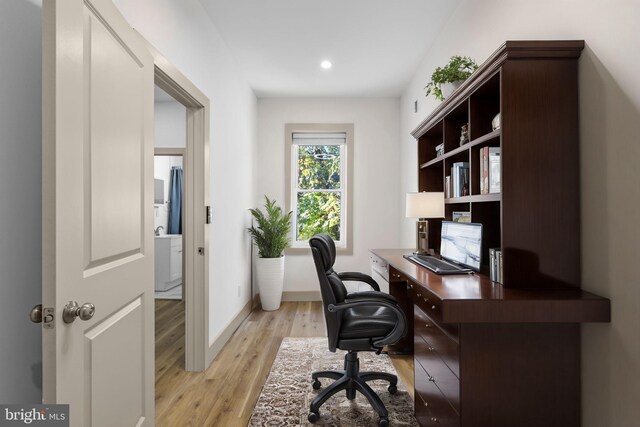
{"type": "Point", "coordinates": [424, 205]}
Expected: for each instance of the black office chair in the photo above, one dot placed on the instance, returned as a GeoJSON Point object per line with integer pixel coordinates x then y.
{"type": "Point", "coordinates": [359, 321]}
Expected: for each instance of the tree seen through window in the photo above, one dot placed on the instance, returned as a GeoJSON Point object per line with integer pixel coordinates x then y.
{"type": "Point", "coordinates": [319, 191]}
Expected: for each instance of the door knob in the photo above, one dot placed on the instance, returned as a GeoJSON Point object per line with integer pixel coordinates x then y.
{"type": "Point", "coordinates": [42, 315]}
{"type": "Point", "coordinates": [36, 314]}
{"type": "Point", "coordinates": [72, 310]}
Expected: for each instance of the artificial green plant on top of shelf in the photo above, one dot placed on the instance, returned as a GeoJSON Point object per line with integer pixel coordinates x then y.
{"type": "Point", "coordinates": [455, 72]}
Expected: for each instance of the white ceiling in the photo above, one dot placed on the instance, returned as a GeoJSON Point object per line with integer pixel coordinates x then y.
{"type": "Point", "coordinates": [375, 45]}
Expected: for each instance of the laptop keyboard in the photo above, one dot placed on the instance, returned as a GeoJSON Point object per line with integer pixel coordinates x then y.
{"type": "Point", "coordinates": [436, 265]}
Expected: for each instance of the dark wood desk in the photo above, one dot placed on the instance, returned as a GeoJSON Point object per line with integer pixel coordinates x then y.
{"type": "Point", "coordinates": [490, 356]}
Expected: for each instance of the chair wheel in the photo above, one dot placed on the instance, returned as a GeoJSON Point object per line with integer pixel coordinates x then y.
{"type": "Point", "coordinates": [383, 422]}
{"type": "Point", "coordinates": [316, 385]}
{"type": "Point", "coordinates": [315, 416]}
{"type": "Point", "coordinates": [392, 389]}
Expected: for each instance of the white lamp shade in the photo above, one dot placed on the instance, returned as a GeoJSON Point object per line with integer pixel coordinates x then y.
{"type": "Point", "coordinates": [425, 205]}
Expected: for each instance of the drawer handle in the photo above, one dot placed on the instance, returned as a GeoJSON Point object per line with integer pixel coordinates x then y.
{"type": "Point", "coordinates": [419, 295]}
{"type": "Point", "coordinates": [432, 349]}
{"type": "Point", "coordinates": [434, 419]}
{"type": "Point", "coordinates": [425, 300]}
{"type": "Point", "coordinates": [433, 380]}
{"type": "Point", "coordinates": [433, 307]}
{"type": "Point", "coordinates": [426, 325]}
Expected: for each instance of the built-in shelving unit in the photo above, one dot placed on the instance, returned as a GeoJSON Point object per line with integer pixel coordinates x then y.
{"type": "Point", "coordinates": [487, 354]}
{"type": "Point", "coordinates": [534, 218]}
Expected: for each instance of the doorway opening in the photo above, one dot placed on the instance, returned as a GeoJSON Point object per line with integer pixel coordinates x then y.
{"type": "Point", "coordinates": [192, 105]}
{"type": "Point", "coordinates": [168, 222]}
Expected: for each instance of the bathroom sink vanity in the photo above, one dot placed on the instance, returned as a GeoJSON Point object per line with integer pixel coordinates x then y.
{"type": "Point", "coordinates": [168, 265]}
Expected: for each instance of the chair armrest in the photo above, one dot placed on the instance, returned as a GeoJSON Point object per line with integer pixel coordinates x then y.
{"type": "Point", "coordinates": [371, 295]}
{"type": "Point", "coordinates": [360, 277]}
{"type": "Point", "coordinates": [398, 331]}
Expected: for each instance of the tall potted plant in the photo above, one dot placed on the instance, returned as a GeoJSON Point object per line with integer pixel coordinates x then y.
{"type": "Point", "coordinates": [270, 233]}
{"type": "Point", "coordinates": [448, 78]}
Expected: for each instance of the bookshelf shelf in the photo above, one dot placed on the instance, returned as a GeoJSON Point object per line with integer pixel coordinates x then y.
{"type": "Point", "coordinates": [486, 137]}
{"type": "Point", "coordinates": [475, 198]}
{"type": "Point", "coordinates": [475, 143]}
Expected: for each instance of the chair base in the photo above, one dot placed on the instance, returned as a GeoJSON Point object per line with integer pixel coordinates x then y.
{"type": "Point", "coordinates": [352, 380]}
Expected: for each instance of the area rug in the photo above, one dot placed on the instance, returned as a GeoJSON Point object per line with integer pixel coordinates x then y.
{"type": "Point", "coordinates": [288, 391]}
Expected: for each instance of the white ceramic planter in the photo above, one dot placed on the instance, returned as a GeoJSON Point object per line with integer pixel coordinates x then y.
{"type": "Point", "coordinates": [270, 278]}
{"type": "Point", "coordinates": [448, 88]}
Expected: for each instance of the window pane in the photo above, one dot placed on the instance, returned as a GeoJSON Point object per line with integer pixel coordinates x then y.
{"type": "Point", "coordinates": [318, 212]}
{"type": "Point", "coordinates": [318, 167]}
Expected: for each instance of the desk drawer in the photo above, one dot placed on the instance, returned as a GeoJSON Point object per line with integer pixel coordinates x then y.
{"type": "Point", "coordinates": [379, 265]}
{"type": "Point", "coordinates": [438, 372]}
{"type": "Point", "coordinates": [424, 299]}
{"type": "Point", "coordinates": [446, 348]}
{"type": "Point", "coordinates": [431, 306]}
{"type": "Point", "coordinates": [396, 276]}
{"type": "Point", "coordinates": [431, 407]}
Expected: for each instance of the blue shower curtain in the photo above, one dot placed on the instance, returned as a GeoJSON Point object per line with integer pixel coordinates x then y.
{"type": "Point", "coordinates": [175, 198]}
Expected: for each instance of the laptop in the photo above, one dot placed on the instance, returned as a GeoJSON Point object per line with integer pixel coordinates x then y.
{"type": "Point", "coordinates": [460, 249]}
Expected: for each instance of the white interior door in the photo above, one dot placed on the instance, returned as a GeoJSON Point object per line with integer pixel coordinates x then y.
{"type": "Point", "coordinates": [98, 214]}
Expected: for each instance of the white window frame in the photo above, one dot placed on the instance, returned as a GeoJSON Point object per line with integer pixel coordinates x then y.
{"type": "Point", "coordinates": [346, 167]}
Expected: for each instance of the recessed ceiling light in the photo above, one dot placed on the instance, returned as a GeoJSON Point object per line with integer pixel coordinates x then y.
{"type": "Point", "coordinates": [326, 64]}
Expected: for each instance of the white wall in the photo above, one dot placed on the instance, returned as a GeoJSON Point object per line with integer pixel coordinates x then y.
{"type": "Point", "coordinates": [609, 117]}
{"type": "Point", "coordinates": [170, 120]}
{"type": "Point", "coordinates": [376, 170]}
{"type": "Point", "coordinates": [183, 33]}
{"type": "Point", "coordinates": [20, 195]}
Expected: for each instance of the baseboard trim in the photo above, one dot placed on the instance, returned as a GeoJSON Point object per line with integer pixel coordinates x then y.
{"type": "Point", "coordinates": [227, 332]}
{"type": "Point", "coordinates": [301, 296]}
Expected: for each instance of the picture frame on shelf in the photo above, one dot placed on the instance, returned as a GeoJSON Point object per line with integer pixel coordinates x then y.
{"type": "Point", "coordinates": [461, 216]}
{"type": "Point", "coordinates": [464, 134]}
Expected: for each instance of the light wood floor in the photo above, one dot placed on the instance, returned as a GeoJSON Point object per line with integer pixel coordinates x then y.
{"type": "Point", "coordinates": [225, 394]}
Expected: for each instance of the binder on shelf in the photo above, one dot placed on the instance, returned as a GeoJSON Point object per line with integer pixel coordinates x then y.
{"type": "Point", "coordinates": [447, 187]}
{"type": "Point", "coordinates": [495, 265]}
{"type": "Point", "coordinates": [494, 170]}
{"type": "Point", "coordinates": [484, 170]}
{"type": "Point", "coordinates": [460, 178]}
{"type": "Point", "coordinates": [492, 265]}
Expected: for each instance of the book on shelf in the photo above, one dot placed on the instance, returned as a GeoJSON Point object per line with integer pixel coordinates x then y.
{"type": "Point", "coordinates": [492, 264]}
{"type": "Point", "coordinates": [495, 265]}
{"type": "Point", "coordinates": [447, 187]}
{"type": "Point", "coordinates": [484, 170]}
{"type": "Point", "coordinates": [461, 216]}
{"type": "Point", "coordinates": [494, 169]}
{"type": "Point", "coordinates": [460, 178]}
{"type": "Point", "coordinates": [440, 149]}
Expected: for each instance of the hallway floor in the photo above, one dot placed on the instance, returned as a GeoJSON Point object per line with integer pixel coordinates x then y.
{"type": "Point", "coordinates": [225, 394]}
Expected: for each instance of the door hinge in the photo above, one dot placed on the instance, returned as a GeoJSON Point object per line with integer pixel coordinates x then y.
{"type": "Point", "coordinates": [207, 219]}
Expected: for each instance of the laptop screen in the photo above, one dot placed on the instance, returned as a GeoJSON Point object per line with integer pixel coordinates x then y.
{"type": "Point", "coordinates": [462, 243]}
